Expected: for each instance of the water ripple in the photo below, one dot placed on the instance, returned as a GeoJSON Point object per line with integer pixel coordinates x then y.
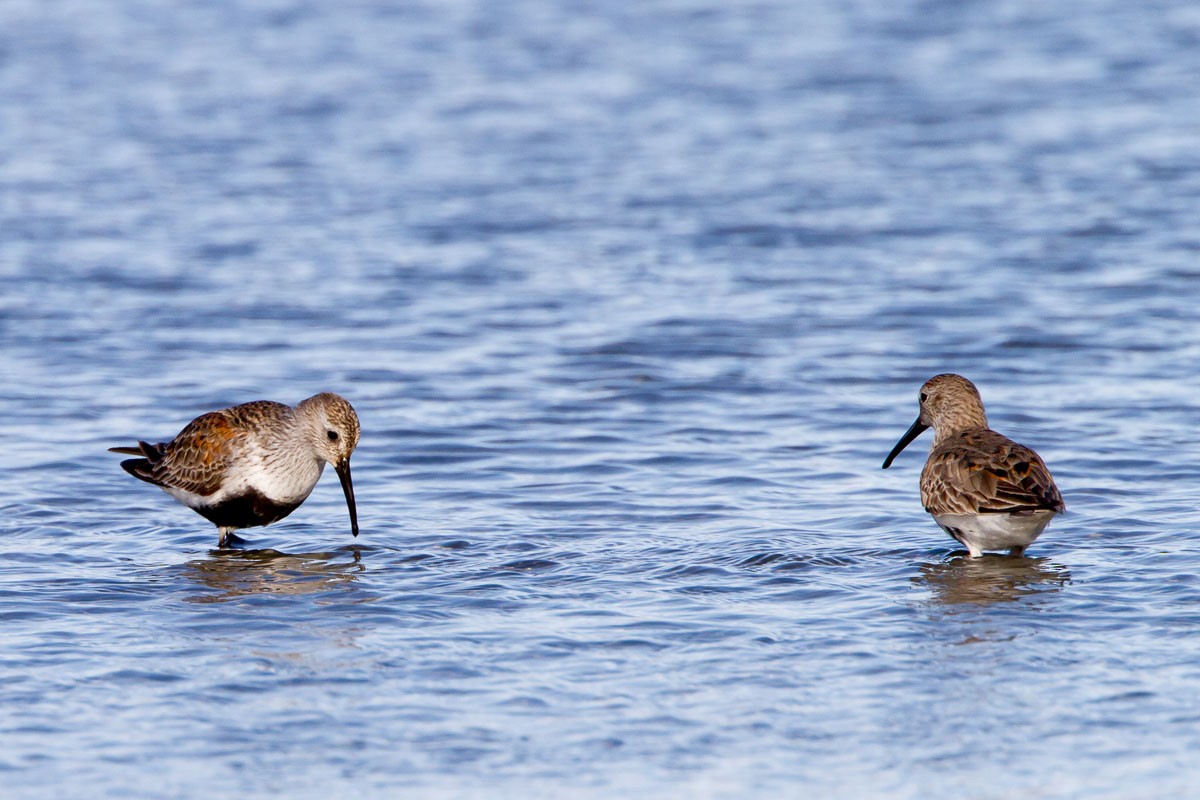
{"type": "Point", "coordinates": [632, 301]}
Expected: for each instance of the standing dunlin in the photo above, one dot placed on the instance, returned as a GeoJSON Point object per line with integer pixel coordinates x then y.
{"type": "Point", "coordinates": [254, 463]}
{"type": "Point", "coordinates": [982, 488]}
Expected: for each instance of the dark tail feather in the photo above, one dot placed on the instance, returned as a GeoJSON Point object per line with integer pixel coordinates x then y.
{"type": "Point", "coordinates": [151, 451]}
{"type": "Point", "coordinates": [141, 468]}
{"type": "Point", "coordinates": [1026, 509]}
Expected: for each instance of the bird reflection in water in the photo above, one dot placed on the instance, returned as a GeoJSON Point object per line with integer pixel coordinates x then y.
{"type": "Point", "coordinates": [237, 573]}
{"type": "Point", "coordinates": [991, 579]}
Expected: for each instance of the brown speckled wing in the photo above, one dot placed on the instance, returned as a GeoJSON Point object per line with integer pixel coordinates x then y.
{"type": "Point", "coordinates": [196, 460]}
{"type": "Point", "coordinates": [983, 471]}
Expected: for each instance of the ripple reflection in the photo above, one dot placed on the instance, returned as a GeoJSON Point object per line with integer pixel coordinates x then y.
{"type": "Point", "coordinates": [961, 580]}
{"type": "Point", "coordinates": [252, 572]}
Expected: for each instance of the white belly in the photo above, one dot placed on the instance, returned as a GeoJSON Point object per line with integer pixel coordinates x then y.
{"type": "Point", "coordinates": [981, 532]}
{"type": "Point", "coordinates": [287, 483]}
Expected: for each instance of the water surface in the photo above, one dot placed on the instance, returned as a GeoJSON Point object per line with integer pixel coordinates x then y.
{"type": "Point", "coordinates": [632, 302]}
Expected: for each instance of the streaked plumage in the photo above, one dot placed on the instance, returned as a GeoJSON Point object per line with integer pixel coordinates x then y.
{"type": "Point", "coordinates": [981, 487]}
{"type": "Point", "coordinates": [252, 464]}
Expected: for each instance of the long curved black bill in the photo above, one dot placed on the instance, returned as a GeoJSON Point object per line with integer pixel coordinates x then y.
{"type": "Point", "coordinates": [343, 473]}
{"type": "Point", "coordinates": [914, 430]}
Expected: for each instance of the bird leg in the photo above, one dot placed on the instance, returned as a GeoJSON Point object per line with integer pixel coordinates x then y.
{"type": "Point", "coordinates": [229, 538]}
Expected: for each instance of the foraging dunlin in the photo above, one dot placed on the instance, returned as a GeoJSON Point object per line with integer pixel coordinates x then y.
{"type": "Point", "coordinates": [982, 488]}
{"type": "Point", "coordinates": [252, 464]}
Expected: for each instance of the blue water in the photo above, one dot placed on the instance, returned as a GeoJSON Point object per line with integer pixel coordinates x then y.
{"type": "Point", "coordinates": [632, 300]}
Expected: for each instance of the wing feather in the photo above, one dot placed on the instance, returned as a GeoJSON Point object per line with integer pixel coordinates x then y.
{"type": "Point", "coordinates": [197, 459]}
{"type": "Point", "coordinates": [981, 471]}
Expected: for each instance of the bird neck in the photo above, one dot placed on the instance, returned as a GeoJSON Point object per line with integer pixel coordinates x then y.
{"type": "Point", "coordinates": [966, 419]}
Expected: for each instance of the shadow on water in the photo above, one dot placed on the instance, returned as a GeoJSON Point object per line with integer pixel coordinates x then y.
{"type": "Point", "coordinates": [238, 573]}
{"type": "Point", "coordinates": [962, 580]}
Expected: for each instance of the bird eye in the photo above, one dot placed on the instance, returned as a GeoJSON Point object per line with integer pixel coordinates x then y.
{"type": "Point", "coordinates": [924, 397]}
{"type": "Point", "coordinates": [333, 436]}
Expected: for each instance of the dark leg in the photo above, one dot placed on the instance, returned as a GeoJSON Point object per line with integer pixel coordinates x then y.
{"type": "Point", "coordinates": [1017, 550]}
{"type": "Point", "coordinates": [229, 538]}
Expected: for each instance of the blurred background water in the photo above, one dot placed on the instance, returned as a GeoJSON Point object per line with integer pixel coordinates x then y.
{"type": "Point", "coordinates": [632, 300]}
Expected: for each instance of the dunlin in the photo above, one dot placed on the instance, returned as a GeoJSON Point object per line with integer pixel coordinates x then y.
{"type": "Point", "coordinates": [982, 488]}
{"type": "Point", "coordinates": [252, 464]}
